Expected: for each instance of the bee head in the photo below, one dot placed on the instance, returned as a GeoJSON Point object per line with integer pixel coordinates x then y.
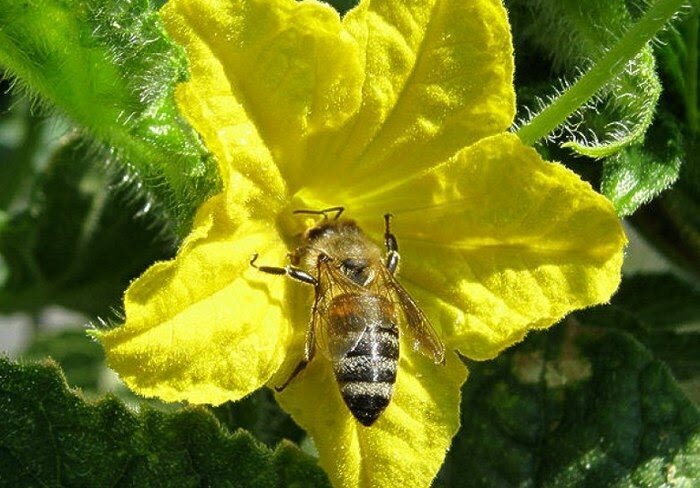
{"type": "Point", "coordinates": [342, 243]}
{"type": "Point", "coordinates": [329, 228]}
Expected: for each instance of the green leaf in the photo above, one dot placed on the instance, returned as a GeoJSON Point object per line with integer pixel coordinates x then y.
{"type": "Point", "coordinates": [51, 437]}
{"type": "Point", "coordinates": [109, 66]}
{"type": "Point", "coordinates": [80, 357]}
{"type": "Point", "coordinates": [677, 347]}
{"type": "Point", "coordinates": [660, 301]}
{"type": "Point", "coordinates": [259, 414]}
{"type": "Point", "coordinates": [24, 142]}
{"type": "Point", "coordinates": [672, 222]}
{"type": "Point", "coordinates": [574, 35]}
{"type": "Point", "coordinates": [661, 311]}
{"type": "Point", "coordinates": [639, 173]}
{"type": "Point", "coordinates": [577, 406]}
{"type": "Point", "coordinates": [77, 243]}
{"type": "Point", "coordinates": [678, 52]}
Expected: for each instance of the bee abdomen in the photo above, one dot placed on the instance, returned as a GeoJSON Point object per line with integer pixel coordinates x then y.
{"type": "Point", "coordinates": [366, 400]}
{"type": "Point", "coordinates": [367, 373]}
{"type": "Point", "coordinates": [352, 369]}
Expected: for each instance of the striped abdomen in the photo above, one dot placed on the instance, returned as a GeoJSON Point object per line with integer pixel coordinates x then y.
{"type": "Point", "coordinates": [367, 372]}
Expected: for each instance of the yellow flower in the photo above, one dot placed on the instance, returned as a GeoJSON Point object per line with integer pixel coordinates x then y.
{"type": "Point", "coordinates": [401, 107]}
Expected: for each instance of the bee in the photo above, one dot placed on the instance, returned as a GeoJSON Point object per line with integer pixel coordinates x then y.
{"type": "Point", "coordinates": [358, 306]}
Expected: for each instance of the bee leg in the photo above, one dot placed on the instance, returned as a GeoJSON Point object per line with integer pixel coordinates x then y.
{"type": "Point", "coordinates": [292, 272]}
{"type": "Point", "coordinates": [300, 367]}
{"type": "Point", "coordinates": [392, 247]}
{"type": "Point", "coordinates": [304, 277]}
{"type": "Point", "coordinates": [309, 352]}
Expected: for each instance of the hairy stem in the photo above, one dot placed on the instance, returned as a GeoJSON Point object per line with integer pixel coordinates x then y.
{"type": "Point", "coordinates": [605, 70]}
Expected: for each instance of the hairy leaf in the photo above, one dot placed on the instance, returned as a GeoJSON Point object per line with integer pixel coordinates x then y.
{"type": "Point", "coordinates": [574, 34]}
{"type": "Point", "coordinates": [672, 222]}
{"type": "Point", "coordinates": [51, 437]}
{"type": "Point", "coordinates": [109, 66]}
{"type": "Point", "coordinates": [80, 358]}
{"type": "Point", "coordinates": [77, 243]}
{"type": "Point", "coordinates": [259, 414]}
{"type": "Point", "coordinates": [638, 173]}
{"type": "Point", "coordinates": [574, 407]}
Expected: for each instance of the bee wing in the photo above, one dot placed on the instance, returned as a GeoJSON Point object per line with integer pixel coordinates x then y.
{"type": "Point", "coordinates": [418, 329]}
{"type": "Point", "coordinates": [338, 335]}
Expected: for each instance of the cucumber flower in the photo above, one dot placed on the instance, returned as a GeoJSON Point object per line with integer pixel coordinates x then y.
{"type": "Point", "coordinates": [398, 107]}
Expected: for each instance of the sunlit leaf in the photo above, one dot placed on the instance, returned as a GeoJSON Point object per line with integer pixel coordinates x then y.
{"type": "Point", "coordinates": [109, 66]}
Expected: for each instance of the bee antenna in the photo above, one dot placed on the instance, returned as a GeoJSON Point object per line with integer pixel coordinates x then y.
{"type": "Point", "coordinates": [338, 212]}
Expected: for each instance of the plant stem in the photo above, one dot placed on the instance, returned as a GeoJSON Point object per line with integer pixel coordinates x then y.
{"type": "Point", "coordinates": [605, 70]}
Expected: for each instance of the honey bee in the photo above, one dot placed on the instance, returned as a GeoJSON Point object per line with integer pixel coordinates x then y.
{"type": "Point", "coordinates": [358, 306]}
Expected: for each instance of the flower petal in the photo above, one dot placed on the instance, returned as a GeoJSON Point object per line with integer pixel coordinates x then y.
{"type": "Point", "coordinates": [439, 76]}
{"type": "Point", "coordinates": [204, 327]}
{"type": "Point", "coordinates": [266, 76]}
{"type": "Point", "coordinates": [497, 241]}
{"type": "Point", "coordinates": [405, 446]}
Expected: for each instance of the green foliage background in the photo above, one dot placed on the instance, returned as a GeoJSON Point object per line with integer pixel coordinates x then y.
{"type": "Point", "coordinates": [100, 176]}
